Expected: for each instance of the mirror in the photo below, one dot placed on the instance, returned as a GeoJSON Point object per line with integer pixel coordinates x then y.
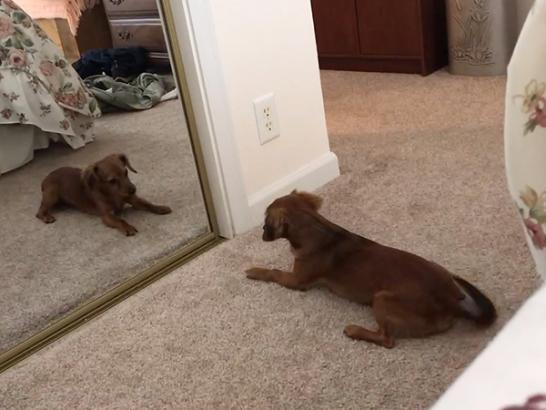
{"type": "Point", "coordinates": [101, 180]}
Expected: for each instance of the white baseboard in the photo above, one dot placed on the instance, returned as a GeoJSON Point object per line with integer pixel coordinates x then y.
{"type": "Point", "coordinates": [308, 178]}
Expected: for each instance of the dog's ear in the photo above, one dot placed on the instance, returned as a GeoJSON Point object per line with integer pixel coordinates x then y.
{"type": "Point", "coordinates": [311, 200]}
{"type": "Point", "coordinates": [123, 158]}
{"type": "Point", "coordinates": [91, 176]}
{"type": "Point", "coordinates": [276, 217]}
{"type": "Point", "coordinates": [275, 224]}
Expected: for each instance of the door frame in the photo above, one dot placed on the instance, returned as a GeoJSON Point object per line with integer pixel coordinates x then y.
{"type": "Point", "coordinates": [194, 27]}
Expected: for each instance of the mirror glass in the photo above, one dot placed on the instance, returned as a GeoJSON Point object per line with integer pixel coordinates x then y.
{"type": "Point", "coordinates": [98, 180]}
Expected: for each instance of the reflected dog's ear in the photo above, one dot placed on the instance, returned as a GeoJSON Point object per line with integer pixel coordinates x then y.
{"type": "Point", "coordinates": [312, 201]}
{"type": "Point", "coordinates": [90, 175]}
{"type": "Point", "coordinates": [126, 162]}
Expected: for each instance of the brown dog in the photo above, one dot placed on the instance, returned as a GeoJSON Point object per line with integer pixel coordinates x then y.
{"type": "Point", "coordinates": [101, 189]}
{"type": "Point", "coordinates": [410, 296]}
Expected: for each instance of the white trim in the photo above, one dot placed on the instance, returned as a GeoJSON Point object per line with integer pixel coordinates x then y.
{"type": "Point", "coordinates": [308, 178]}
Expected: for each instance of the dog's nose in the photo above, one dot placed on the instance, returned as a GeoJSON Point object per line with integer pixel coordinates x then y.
{"type": "Point", "coordinates": [132, 190]}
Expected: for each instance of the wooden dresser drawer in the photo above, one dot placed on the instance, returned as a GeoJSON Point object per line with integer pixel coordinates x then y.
{"type": "Point", "coordinates": [131, 8]}
{"type": "Point", "coordinates": [147, 33]}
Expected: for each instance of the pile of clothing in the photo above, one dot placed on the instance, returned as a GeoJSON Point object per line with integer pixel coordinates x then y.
{"type": "Point", "coordinates": [119, 81]}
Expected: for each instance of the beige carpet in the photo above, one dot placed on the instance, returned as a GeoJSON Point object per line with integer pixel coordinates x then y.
{"type": "Point", "coordinates": [422, 163]}
{"type": "Point", "coordinates": [47, 270]}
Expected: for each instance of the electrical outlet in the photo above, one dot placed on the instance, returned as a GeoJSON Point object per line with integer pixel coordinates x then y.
{"type": "Point", "coordinates": [266, 118]}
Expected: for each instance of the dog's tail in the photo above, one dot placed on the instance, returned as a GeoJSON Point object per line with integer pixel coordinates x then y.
{"type": "Point", "coordinates": [475, 306]}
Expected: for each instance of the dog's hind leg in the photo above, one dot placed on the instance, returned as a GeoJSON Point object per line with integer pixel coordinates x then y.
{"type": "Point", "coordinates": [380, 337]}
{"type": "Point", "coordinates": [389, 312]}
{"type": "Point", "coordinates": [382, 306]}
{"type": "Point", "coordinates": [402, 317]}
{"type": "Point", "coordinates": [50, 197]}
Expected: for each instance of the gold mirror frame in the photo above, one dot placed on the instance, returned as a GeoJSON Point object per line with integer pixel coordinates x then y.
{"type": "Point", "coordinates": [199, 245]}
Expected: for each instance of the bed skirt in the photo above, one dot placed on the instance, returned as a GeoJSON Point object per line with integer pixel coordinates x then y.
{"type": "Point", "coordinates": [18, 143]}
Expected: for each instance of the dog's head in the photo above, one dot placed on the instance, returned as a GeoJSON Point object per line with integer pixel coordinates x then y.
{"type": "Point", "coordinates": [110, 176]}
{"type": "Point", "coordinates": [280, 214]}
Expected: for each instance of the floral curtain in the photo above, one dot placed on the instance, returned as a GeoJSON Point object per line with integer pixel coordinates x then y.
{"type": "Point", "coordinates": [525, 130]}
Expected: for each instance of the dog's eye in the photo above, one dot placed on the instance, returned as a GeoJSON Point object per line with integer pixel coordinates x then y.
{"type": "Point", "coordinates": [113, 181]}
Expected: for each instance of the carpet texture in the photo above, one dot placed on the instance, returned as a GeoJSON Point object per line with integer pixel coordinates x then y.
{"type": "Point", "coordinates": [47, 270]}
{"type": "Point", "coordinates": [422, 169]}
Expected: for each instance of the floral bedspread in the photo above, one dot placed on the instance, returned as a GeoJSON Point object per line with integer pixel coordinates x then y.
{"type": "Point", "coordinates": [37, 85]}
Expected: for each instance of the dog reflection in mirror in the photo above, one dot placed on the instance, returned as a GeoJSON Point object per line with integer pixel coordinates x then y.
{"type": "Point", "coordinates": [409, 296]}
{"type": "Point", "coordinates": [102, 189]}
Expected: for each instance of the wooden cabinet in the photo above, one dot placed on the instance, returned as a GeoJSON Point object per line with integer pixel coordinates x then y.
{"type": "Point", "coordinates": [407, 36]}
{"type": "Point", "coordinates": [137, 23]}
{"type": "Point", "coordinates": [147, 34]}
{"type": "Point", "coordinates": [389, 27]}
{"type": "Point", "coordinates": [131, 8]}
{"type": "Point", "coordinates": [94, 30]}
{"type": "Point", "coordinates": [342, 37]}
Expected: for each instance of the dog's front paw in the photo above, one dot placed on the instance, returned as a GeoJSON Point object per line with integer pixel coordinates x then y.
{"type": "Point", "coordinates": [258, 274]}
{"type": "Point", "coordinates": [48, 219]}
{"type": "Point", "coordinates": [162, 210]}
{"type": "Point", "coordinates": [353, 331]}
{"type": "Point", "coordinates": [130, 230]}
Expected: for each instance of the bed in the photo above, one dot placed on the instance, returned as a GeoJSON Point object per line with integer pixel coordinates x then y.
{"type": "Point", "coordinates": [42, 98]}
{"type": "Point", "coordinates": [70, 10]}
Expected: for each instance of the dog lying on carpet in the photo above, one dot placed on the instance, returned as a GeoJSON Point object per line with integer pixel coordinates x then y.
{"type": "Point", "coordinates": [102, 189]}
{"type": "Point", "coordinates": [410, 296]}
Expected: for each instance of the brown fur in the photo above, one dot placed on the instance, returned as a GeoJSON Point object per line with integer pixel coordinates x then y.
{"type": "Point", "coordinates": [102, 189]}
{"type": "Point", "coordinates": [410, 296]}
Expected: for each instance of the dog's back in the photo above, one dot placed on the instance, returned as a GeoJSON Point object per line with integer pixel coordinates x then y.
{"type": "Point", "coordinates": [62, 176]}
{"type": "Point", "coordinates": [66, 184]}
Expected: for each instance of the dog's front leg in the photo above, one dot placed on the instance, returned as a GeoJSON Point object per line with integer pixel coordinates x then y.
{"type": "Point", "coordinates": [142, 204]}
{"type": "Point", "coordinates": [109, 219]}
{"type": "Point", "coordinates": [289, 280]}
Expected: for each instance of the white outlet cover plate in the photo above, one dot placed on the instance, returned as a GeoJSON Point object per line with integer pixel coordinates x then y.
{"type": "Point", "coordinates": [267, 119]}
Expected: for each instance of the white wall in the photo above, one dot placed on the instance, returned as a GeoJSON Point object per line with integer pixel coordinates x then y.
{"type": "Point", "coordinates": [269, 46]}
{"type": "Point", "coordinates": [244, 49]}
